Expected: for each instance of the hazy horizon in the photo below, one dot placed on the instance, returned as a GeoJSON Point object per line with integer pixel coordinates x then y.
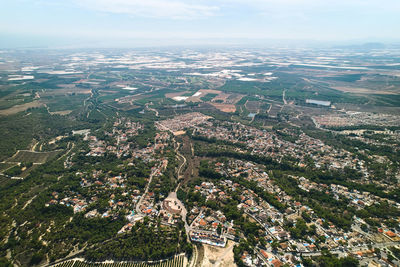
{"type": "Point", "coordinates": [127, 23]}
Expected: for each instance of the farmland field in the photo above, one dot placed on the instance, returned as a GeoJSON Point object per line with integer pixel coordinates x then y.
{"type": "Point", "coordinates": [5, 182]}
{"type": "Point", "coordinates": [225, 107]}
{"type": "Point", "coordinates": [18, 108]}
{"type": "Point", "coordinates": [4, 166]}
{"type": "Point", "coordinates": [177, 261]}
{"type": "Point", "coordinates": [253, 106]}
{"type": "Point", "coordinates": [31, 156]}
{"type": "Point", "coordinates": [208, 97]}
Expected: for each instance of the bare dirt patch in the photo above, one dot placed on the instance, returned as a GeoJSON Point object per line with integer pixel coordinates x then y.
{"type": "Point", "coordinates": [358, 90]}
{"type": "Point", "coordinates": [196, 97]}
{"type": "Point", "coordinates": [228, 108]}
{"type": "Point", "coordinates": [62, 112]}
{"type": "Point", "coordinates": [228, 98]}
{"type": "Point", "coordinates": [179, 133]}
{"type": "Point", "coordinates": [172, 95]}
{"type": "Point", "coordinates": [218, 257]}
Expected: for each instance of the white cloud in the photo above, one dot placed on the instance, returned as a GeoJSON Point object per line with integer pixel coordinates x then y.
{"type": "Point", "coordinates": [195, 9]}
{"type": "Point", "coordinates": [175, 9]}
{"type": "Point", "coordinates": [315, 5]}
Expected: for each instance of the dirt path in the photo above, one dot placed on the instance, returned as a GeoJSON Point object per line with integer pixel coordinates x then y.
{"type": "Point", "coordinates": [226, 257]}
{"type": "Point", "coordinates": [152, 109]}
{"type": "Point", "coordinates": [283, 97]}
{"type": "Point", "coordinates": [33, 149]}
{"type": "Point", "coordinates": [270, 106]}
{"type": "Point", "coordinates": [66, 153]}
{"type": "Point", "coordinates": [199, 255]}
{"type": "Point", "coordinates": [29, 202]}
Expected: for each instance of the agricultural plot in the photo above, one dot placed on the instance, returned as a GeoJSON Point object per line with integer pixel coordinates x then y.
{"type": "Point", "coordinates": [19, 108]}
{"type": "Point", "coordinates": [275, 109]}
{"type": "Point", "coordinates": [4, 166]}
{"type": "Point", "coordinates": [64, 102]}
{"type": "Point", "coordinates": [177, 261]}
{"type": "Point", "coordinates": [208, 97]}
{"type": "Point", "coordinates": [3, 180]}
{"type": "Point", "coordinates": [253, 106]}
{"type": "Point", "coordinates": [233, 98]}
{"type": "Point", "coordinates": [25, 156]}
{"type": "Point", "coordinates": [228, 108]}
{"type": "Point", "coordinates": [196, 97]}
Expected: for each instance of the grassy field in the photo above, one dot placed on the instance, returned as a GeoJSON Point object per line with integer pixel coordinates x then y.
{"type": "Point", "coordinates": [177, 261]}
{"type": "Point", "coordinates": [18, 108]}
{"type": "Point", "coordinates": [34, 157]}
{"type": "Point", "coordinates": [60, 103]}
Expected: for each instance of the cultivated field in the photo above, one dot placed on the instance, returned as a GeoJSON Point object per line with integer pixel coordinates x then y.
{"type": "Point", "coordinates": [273, 112]}
{"type": "Point", "coordinates": [64, 92]}
{"type": "Point", "coordinates": [177, 261]}
{"type": "Point", "coordinates": [5, 181]}
{"type": "Point", "coordinates": [253, 106]}
{"type": "Point", "coordinates": [233, 98]}
{"type": "Point", "coordinates": [224, 107]}
{"type": "Point", "coordinates": [196, 97]}
{"type": "Point", "coordinates": [357, 90]}
{"type": "Point", "coordinates": [4, 166]}
{"type": "Point", "coordinates": [18, 108]}
{"type": "Point", "coordinates": [31, 156]}
{"type": "Point", "coordinates": [62, 113]}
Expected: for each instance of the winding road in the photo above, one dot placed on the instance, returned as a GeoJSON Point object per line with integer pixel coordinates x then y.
{"type": "Point", "coordinates": [138, 211]}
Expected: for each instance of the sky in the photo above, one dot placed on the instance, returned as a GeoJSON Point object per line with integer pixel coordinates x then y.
{"type": "Point", "coordinates": [124, 23]}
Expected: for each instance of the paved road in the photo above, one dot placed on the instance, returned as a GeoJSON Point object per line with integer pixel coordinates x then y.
{"type": "Point", "coordinates": [180, 167]}
{"type": "Point", "coordinates": [348, 250]}
{"type": "Point", "coordinates": [358, 229]}
{"type": "Point", "coordinates": [173, 197]}
{"type": "Point", "coordinates": [138, 211]}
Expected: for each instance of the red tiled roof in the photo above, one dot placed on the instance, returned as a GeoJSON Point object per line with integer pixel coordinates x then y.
{"type": "Point", "coordinates": [390, 234]}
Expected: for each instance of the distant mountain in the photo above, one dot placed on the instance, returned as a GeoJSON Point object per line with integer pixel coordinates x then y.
{"type": "Point", "coordinates": [365, 46]}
